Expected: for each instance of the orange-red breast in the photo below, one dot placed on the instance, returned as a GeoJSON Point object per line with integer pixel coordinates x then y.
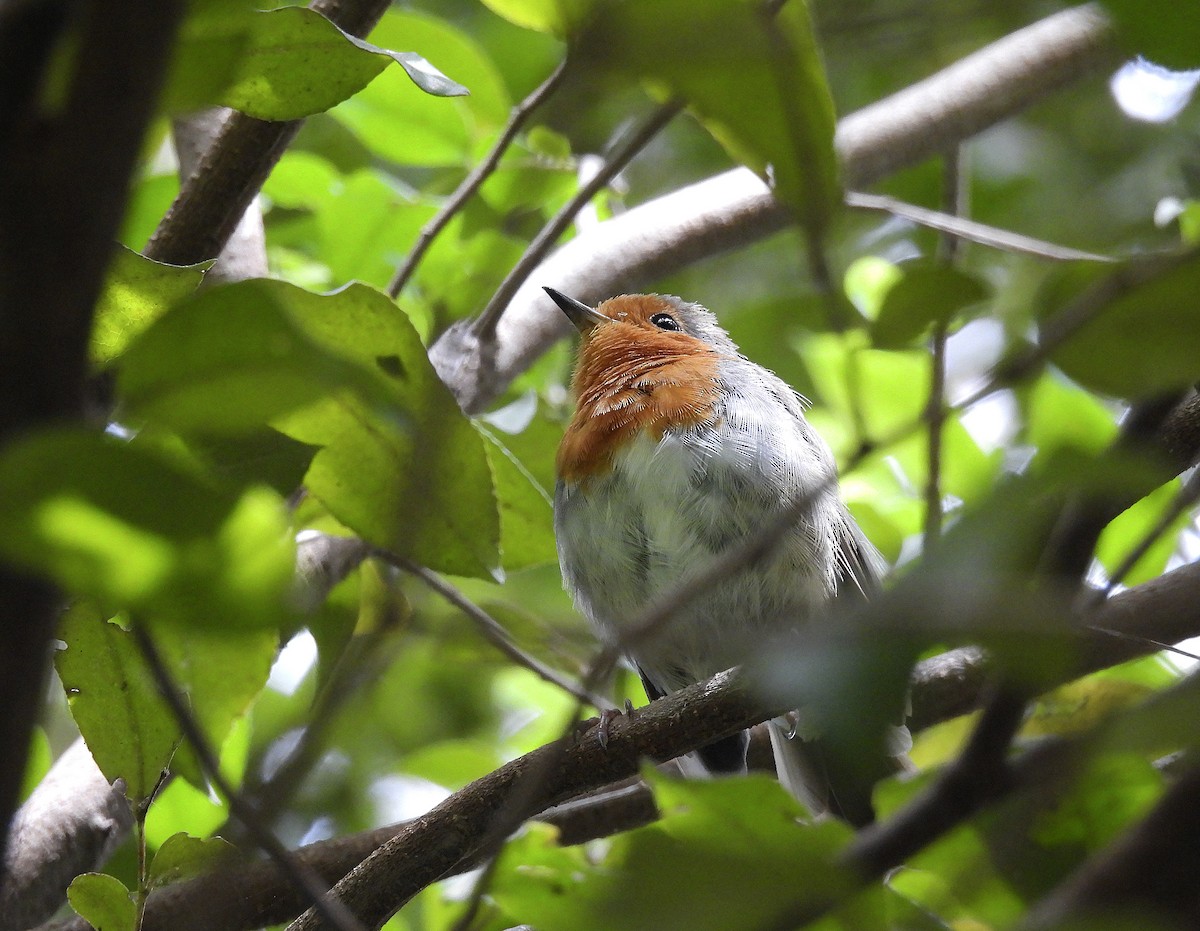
{"type": "Point", "coordinates": [680, 448]}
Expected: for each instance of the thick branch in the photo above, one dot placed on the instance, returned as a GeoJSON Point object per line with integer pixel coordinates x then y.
{"type": "Point", "coordinates": [735, 208]}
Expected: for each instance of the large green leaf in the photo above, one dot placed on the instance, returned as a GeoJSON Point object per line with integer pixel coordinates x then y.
{"type": "Point", "coordinates": [282, 64]}
{"type": "Point", "coordinates": [229, 360]}
{"type": "Point", "coordinates": [414, 478]}
{"type": "Point", "coordinates": [756, 81]}
{"type": "Point", "coordinates": [115, 702]}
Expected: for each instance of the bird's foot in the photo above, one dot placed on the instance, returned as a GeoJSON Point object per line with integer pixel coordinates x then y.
{"type": "Point", "coordinates": [607, 717]}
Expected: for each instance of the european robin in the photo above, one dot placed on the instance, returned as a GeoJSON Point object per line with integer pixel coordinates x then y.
{"type": "Point", "coordinates": [680, 448]}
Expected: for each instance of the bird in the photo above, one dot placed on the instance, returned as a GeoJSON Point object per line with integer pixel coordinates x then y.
{"type": "Point", "coordinates": [680, 448]}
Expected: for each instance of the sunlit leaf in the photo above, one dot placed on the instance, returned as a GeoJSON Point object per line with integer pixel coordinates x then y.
{"type": "Point", "coordinates": [560, 17]}
{"type": "Point", "coordinates": [134, 530]}
{"type": "Point", "coordinates": [136, 292]}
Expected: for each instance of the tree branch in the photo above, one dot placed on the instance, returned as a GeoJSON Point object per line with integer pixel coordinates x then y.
{"type": "Point", "coordinates": [69, 825]}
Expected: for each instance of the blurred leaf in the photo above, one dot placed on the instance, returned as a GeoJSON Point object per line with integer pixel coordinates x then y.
{"type": "Point", "coordinates": [725, 854]}
{"type": "Point", "coordinates": [129, 730]}
{"type": "Point", "coordinates": [137, 291]}
{"type": "Point", "coordinates": [867, 282]}
{"type": "Point", "coordinates": [560, 17]}
{"type": "Point", "coordinates": [103, 902]}
{"type": "Point", "coordinates": [1142, 341]}
{"type": "Point", "coordinates": [1064, 415]}
{"type": "Point", "coordinates": [38, 763]}
{"type": "Point", "coordinates": [925, 294]}
{"type": "Point", "coordinates": [756, 81]}
{"type": "Point", "coordinates": [1166, 33]}
{"type": "Point", "coordinates": [263, 64]}
{"type": "Point", "coordinates": [367, 228]}
{"type": "Point", "coordinates": [453, 763]}
{"type": "Point", "coordinates": [184, 857]}
{"type": "Point", "coordinates": [130, 528]}
{"type": "Point", "coordinates": [149, 199]}
{"type": "Point", "coordinates": [1130, 528]}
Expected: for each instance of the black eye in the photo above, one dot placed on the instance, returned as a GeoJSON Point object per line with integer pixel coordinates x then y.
{"type": "Point", "coordinates": [666, 322]}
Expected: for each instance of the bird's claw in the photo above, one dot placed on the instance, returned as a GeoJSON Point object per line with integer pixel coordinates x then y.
{"type": "Point", "coordinates": [607, 717]}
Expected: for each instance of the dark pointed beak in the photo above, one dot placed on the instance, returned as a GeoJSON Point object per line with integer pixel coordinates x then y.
{"type": "Point", "coordinates": [579, 313]}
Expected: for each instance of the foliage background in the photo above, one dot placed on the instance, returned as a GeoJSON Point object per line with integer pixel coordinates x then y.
{"type": "Point", "coordinates": [180, 518]}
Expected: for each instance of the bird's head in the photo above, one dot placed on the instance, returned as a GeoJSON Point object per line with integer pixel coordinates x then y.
{"type": "Point", "coordinates": [646, 362]}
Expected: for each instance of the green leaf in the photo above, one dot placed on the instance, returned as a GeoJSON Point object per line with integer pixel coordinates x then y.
{"type": "Point", "coordinates": [103, 902]}
{"type": "Point", "coordinates": [1167, 33]}
{"type": "Point", "coordinates": [1064, 415]}
{"type": "Point", "coordinates": [926, 294]}
{"type": "Point", "coordinates": [137, 292]}
{"type": "Point", "coordinates": [756, 81]}
{"type": "Point", "coordinates": [1138, 333]}
{"type": "Point", "coordinates": [526, 509]}
{"type": "Point", "coordinates": [128, 526]}
{"type": "Point", "coordinates": [1132, 527]}
{"type": "Point", "coordinates": [115, 702]}
{"type": "Point", "coordinates": [182, 857]}
{"type": "Point", "coordinates": [558, 17]}
{"type": "Point", "coordinates": [414, 479]}
{"type": "Point", "coordinates": [283, 64]}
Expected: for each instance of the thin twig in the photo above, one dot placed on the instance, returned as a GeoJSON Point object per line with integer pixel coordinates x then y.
{"type": "Point", "coordinates": [972, 230]}
{"type": "Point", "coordinates": [495, 632]}
{"type": "Point", "coordinates": [953, 197]}
{"type": "Point", "coordinates": [472, 182]}
{"type": "Point", "coordinates": [304, 879]}
{"type": "Point", "coordinates": [485, 325]}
